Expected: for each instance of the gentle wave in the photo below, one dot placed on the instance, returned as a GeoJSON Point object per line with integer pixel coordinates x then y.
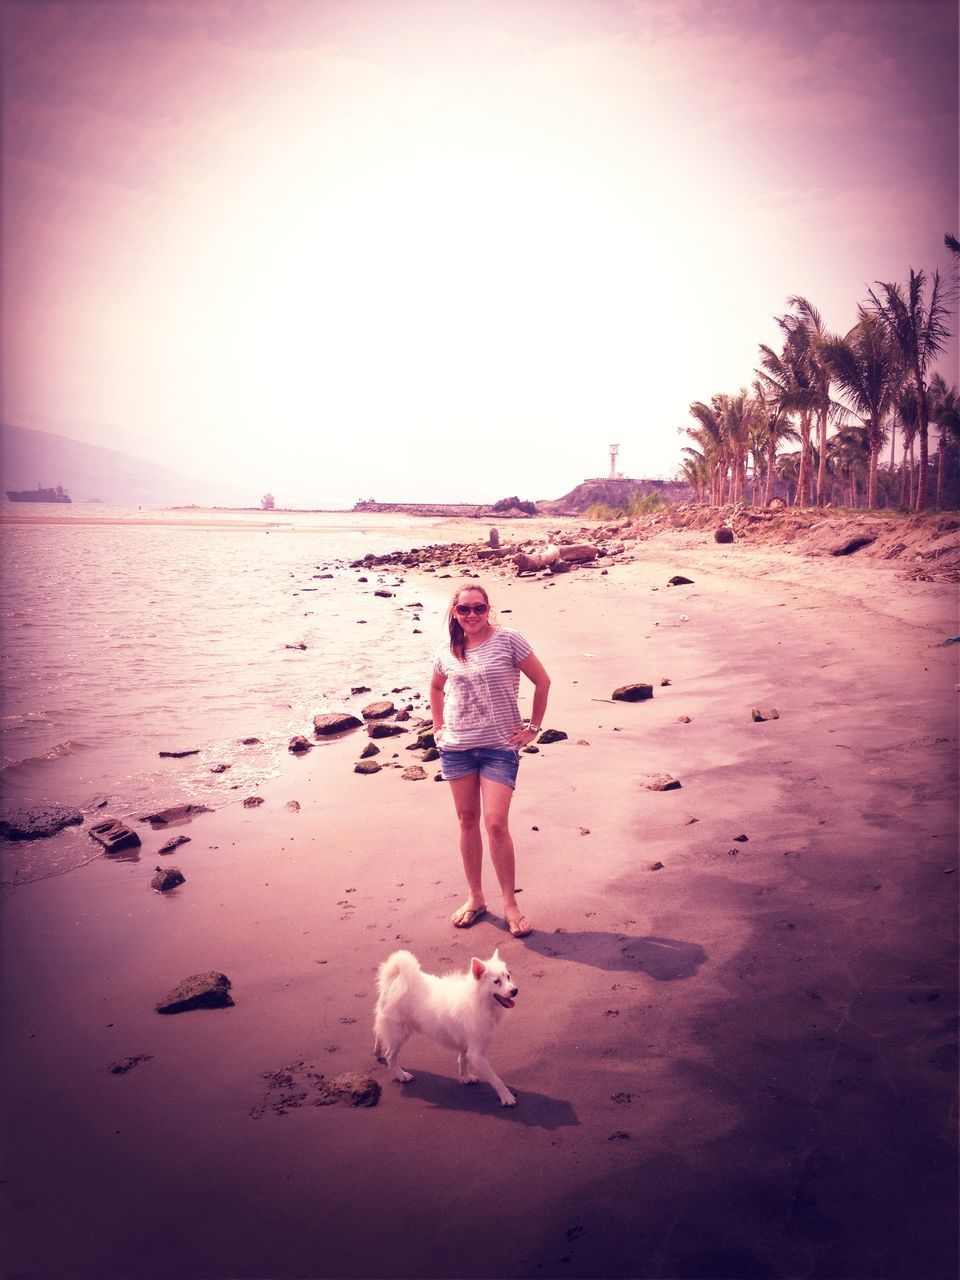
{"type": "Point", "coordinates": [59, 751]}
{"type": "Point", "coordinates": [184, 643]}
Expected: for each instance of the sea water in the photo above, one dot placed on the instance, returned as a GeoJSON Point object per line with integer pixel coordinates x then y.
{"type": "Point", "coordinates": [129, 632]}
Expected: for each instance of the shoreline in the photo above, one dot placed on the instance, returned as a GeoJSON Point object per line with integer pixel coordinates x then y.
{"type": "Point", "coordinates": [924, 545]}
{"type": "Point", "coordinates": [756, 1075]}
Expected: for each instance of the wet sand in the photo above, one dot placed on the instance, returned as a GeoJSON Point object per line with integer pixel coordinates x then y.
{"type": "Point", "coordinates": [741, 1064]}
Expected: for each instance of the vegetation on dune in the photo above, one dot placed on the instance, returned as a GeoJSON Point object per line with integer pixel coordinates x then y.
{"type": "Point", "coordinates": [514, 504]}
{"type": "Point", "coordinates": [841, 399]}
{"type": "Point", "coordinates": [632, 509]}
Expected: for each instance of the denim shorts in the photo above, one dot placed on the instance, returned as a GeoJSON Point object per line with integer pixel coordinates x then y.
{"type": "Point", "coordinates": [500, 764]}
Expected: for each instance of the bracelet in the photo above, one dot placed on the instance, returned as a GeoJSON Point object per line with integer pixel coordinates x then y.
{"type": "Point", "coordinates": [534, 728]}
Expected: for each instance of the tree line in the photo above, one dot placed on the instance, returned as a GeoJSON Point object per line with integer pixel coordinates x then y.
{"type": "Point", "coordinates": [841, 400]}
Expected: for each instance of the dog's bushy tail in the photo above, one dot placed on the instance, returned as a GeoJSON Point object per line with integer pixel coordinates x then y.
{"type": "Point", "coordinates": [397, 968]}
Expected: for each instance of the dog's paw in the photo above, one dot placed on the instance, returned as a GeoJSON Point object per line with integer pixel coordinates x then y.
{"type": "Point", "coordinates": [402, 1077]}
{"type": "Point", "coordinates": [507, 1100]}
{"type": "Point", "coordinates": [469, 1079]}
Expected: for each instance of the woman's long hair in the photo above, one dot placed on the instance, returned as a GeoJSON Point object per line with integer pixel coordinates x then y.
{"type": "Point", "coordinates": [458, 638]}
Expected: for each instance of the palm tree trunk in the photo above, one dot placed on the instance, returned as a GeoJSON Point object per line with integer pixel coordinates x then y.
{"type": "Point", "coordinates": [924, 442]}
{"type": "Point", "coordinates": [913, 476]}
{"type": "Point", "coordinates": [939, 499]}
{"type": "Point", "coordinates": [822, 468]}
{"type": "Point", "coordinates": [771, 457]}
{"type": "Point", "coordinates": [872, 476]}
{"type": "Point", "coordinates": [804, 451]}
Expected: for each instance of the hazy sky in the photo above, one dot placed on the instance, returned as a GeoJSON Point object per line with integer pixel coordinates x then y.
{"type": "Point", "coordinates": [447, 249]}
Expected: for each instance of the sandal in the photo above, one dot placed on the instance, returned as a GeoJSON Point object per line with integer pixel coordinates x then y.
{"type": "Point", "coordinates": [520, 927]}
{"type": "Point", "coordinates": [465, 917]}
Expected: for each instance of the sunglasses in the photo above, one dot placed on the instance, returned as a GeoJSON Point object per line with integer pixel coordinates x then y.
{"type": "Point", "coordinates": [464, 609]}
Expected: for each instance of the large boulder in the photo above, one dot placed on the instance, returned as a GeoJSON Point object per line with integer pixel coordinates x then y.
{"type": "Point", "coordinates": [33, 822]}
{"type": "Point", "coordinates": [378, 710]}
{"type": "Point", "coordinates": [332, 722]}
{"type": "Point", "coordinates": [176, 815]}
{"type": "Point", "coordinates": [356, 1088]}
{"type": "Point", "coordinates": [167, 878]}
{"type": "Point", "coordinates": [381, 729]}
{"type": "Point", "coordinates": [173, 843]}
{"type": "Point", "coordinates": [632, 693]}
{"type": "Point", "coordinates": [200, 991]}
{"type": "Point", "coordinates": [661, 782]}
{"type": "Point", "coordinates": [551, 735]}
{"type": "Point", "coordinates": [114, 835]}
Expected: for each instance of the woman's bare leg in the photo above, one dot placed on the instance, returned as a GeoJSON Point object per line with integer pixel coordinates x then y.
{"type": "Point", "coordinates": [466, 799]}
{"type": "Point", "coordinates": [496, 797]}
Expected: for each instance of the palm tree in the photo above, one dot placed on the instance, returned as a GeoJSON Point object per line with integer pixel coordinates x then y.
{"type": "Point", "coordinates": [809, 320]}
{"type": "Point", "coordinates": [757, 450]}
{"type": "Point", "coordinates": [772, 425]}
{"type": "Point", "coordinates": [696, 472]}
{"type": "Point", "coordinates": [867, 368]}
{"type": "Point", "coordinates": [735, 413]}
{"type": "Point", "coordinates": [945, 412]}
{"type": "Point", "coordinates": [849, 453]}
{"type": "Point", "coordinates": [918, 327]}
{"type": "Point", "coordinates": [787, 377]}
{"type": "Point", "coordinates": [906, 417]}
{"type": "Point", "coordinates": [789, 468]}
{"type": "Point", "coordinates": [710, 438]}
{"type": "Point", "coordinates": [953, 244]}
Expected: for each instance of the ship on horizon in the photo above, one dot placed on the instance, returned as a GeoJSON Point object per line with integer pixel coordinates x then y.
{"type": "Point", "coordinates": [39, 494]}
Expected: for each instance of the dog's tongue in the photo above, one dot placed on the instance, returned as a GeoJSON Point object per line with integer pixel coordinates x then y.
{"type": "Point", "coordinates": [505, 1001]}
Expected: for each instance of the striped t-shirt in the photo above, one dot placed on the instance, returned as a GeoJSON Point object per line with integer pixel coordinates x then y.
{"type": "Point", "coordinates": [480, 695]}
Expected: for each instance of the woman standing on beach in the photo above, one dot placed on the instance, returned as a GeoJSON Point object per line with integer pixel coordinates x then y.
{"type": "Point", "coordinates": [479, 730]}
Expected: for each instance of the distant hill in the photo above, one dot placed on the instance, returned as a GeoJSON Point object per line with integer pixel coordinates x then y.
{"type": "Point", "coordinates": [614, 493]}
{"type": "Point", "coordinates": [89, 472]}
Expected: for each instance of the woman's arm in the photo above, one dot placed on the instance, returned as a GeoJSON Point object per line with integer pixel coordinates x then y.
{"type": "Point", "coordinates": [437, 682]}
{"type": "Point", "coordinates": [534, 670]}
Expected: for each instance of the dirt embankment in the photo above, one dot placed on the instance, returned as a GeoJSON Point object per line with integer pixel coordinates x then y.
{"type": "Point", "coordinates": [923, 547]}
{"type": "Point", "coordinates": [926, 546]}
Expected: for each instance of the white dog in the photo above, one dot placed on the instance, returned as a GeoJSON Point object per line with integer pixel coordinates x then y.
{"type": "Point", "coordinates": [460, 1010]}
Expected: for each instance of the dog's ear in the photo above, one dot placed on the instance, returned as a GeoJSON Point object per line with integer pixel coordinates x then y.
{"type": "Point", "coordinates": [496, 955]}
{"type": "Point", "coordinates": [477, 968]}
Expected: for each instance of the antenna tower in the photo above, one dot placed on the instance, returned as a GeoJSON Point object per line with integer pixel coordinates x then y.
{"type": "Point", "coordinates": [614, 450]}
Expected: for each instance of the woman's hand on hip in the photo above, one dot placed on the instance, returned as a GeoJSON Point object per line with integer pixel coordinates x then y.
{"type": "Point", "coordinates": [524, 736]}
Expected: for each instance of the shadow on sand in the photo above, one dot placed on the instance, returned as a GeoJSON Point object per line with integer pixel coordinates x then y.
{"type": "Point", "coordinates": [535, 1110]}
{"type": "Point", "coordinates": [663, 959]}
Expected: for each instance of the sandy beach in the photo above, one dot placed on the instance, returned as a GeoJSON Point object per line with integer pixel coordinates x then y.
{"type": "Point", "coordinates": [741, 1063]}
